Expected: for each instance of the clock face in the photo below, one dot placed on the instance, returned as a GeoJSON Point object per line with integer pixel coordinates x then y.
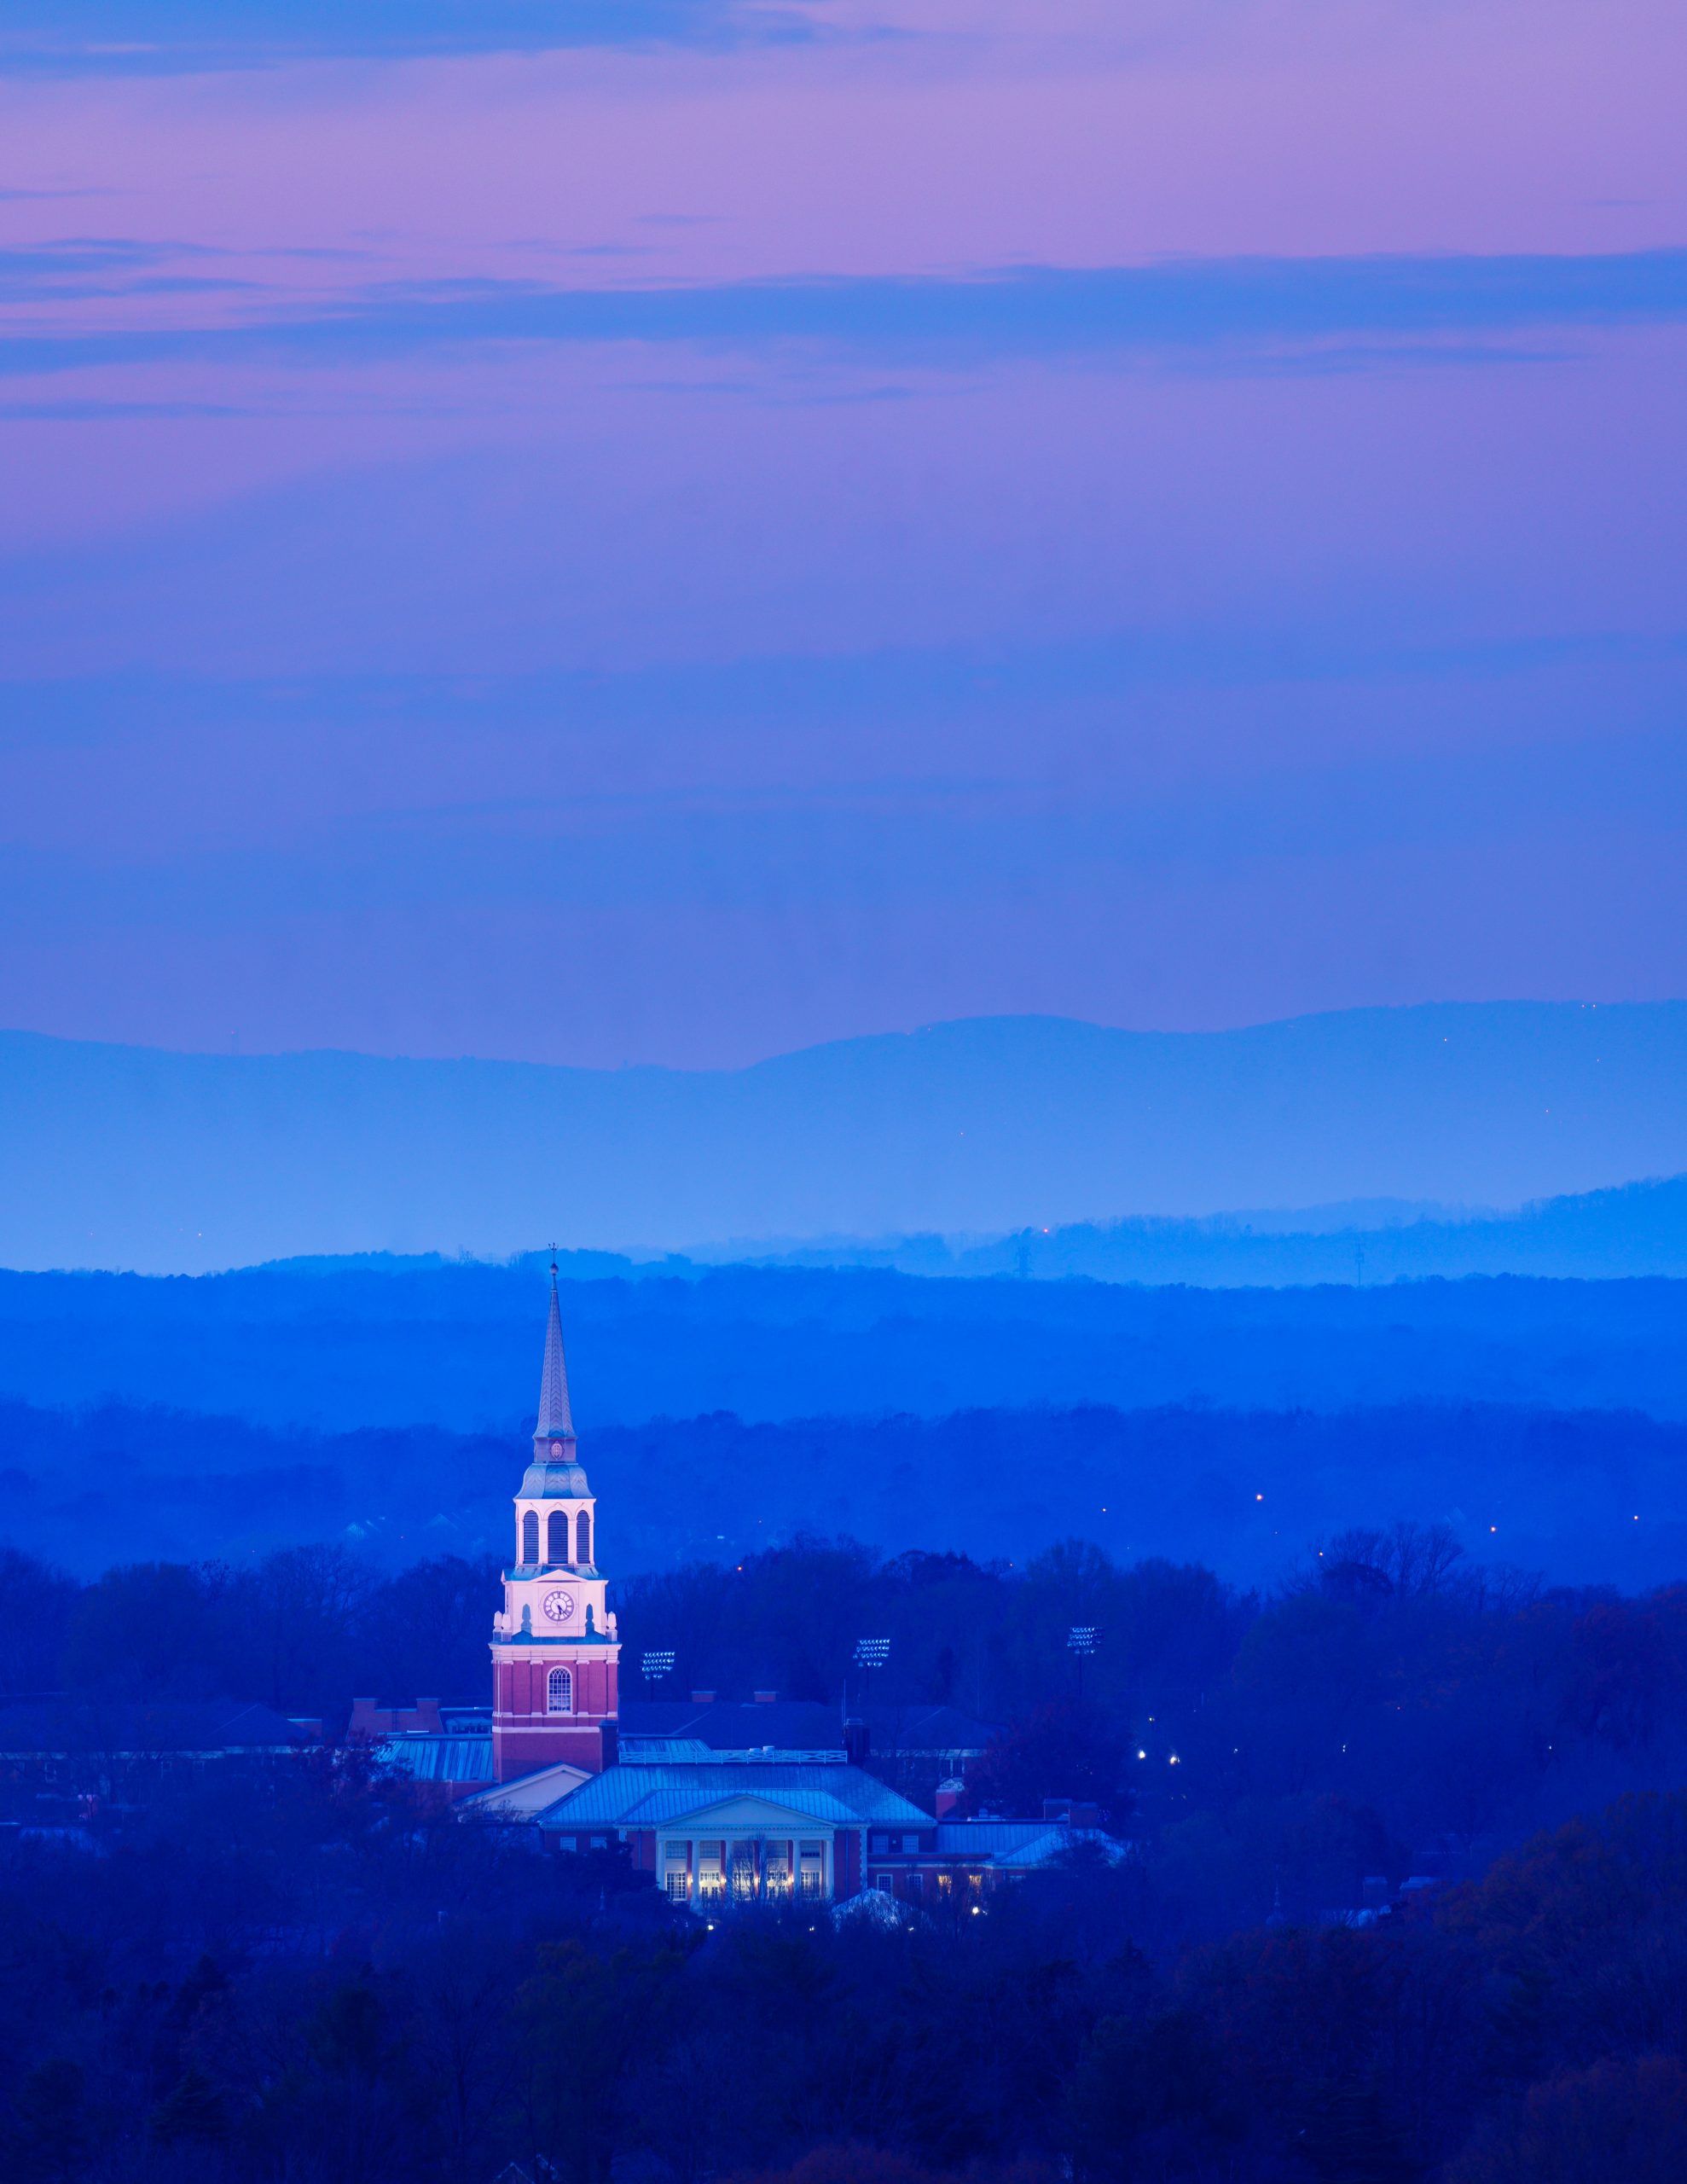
{"type": "Point", "coordinates": [558, 1606]}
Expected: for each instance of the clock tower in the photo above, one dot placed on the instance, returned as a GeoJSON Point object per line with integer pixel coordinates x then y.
{"type": "Point", "coordinates": [554, 1650]}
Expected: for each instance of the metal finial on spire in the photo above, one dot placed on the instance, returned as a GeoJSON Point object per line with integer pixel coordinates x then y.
{"type": "Point", "coordinates": [555, 1417]}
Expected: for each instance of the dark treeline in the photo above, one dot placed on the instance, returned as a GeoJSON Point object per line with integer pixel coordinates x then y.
{"type": "Point", "coordinates": [1581, 1495]}
{"type": "Point", "coordinates": [340, 1345]}
{"type": "Point", "coordinates": [1388, 1712]}
{"type": "Point", "coordinates": [295, 1973]}
{"type": "Point", "coordinates": [303, 1632]}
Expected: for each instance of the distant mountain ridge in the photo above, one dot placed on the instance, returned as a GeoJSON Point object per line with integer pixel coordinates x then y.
{"type": "Point", "coordinates": [1637, 1229]}
{"type": "Point", "coordinates": [131, 1157]}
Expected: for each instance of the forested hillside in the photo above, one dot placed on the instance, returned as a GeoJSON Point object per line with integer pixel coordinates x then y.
{"type": "Point", "coordinates": [336, 1346]}
{"type": "Point", "coordinates": [1594, 1496]}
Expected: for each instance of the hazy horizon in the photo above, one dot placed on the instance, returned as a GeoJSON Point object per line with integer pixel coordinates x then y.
{"type": "Point", "coordinates": [179, 1162]}
{"type": "Point", "coordinates": [244, 1052]}
{"type": "Point", "coordinates": [521, 540]}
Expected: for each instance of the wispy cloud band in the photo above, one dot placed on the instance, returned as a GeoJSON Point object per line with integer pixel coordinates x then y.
{"type": "Point", "coordinates": [1262, 305]}
{"type": "Point", "coordinates": [105, 37]}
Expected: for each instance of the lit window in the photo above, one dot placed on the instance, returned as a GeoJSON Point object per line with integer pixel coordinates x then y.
{"type": "Point", "coordinates": [560, 1692]}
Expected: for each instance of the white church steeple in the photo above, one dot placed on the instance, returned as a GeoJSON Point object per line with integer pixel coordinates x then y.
{"type": "Point", "coordinates": [554, 1646]}
{"type": "Point", "coordinates": [556, 1418]}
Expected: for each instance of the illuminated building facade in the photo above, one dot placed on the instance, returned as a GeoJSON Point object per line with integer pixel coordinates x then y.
{"type": "Point", "coordinates": [704, 1800]}
{"type": "Point", "coordinates": [555, 1657]}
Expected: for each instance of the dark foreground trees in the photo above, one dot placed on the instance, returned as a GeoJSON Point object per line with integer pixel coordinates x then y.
{"type": "Point", "coordinates": [305, 1977]}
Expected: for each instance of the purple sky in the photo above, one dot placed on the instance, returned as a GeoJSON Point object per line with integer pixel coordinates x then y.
{"type": "Point", "coordinates": [811, 519]}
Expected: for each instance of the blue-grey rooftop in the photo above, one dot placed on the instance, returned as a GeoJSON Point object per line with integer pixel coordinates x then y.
{"type": "Point", "coordinates": [1016, 1843]}
{"type": "Point", "coordinates": [645, 1795]}
{"type": "Point", "coordinates": [438, 1759]}
{"type": "Point", "coordinates": [803, 1725]}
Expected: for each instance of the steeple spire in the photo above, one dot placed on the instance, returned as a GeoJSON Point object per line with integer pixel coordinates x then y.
{"type": "Point", "coordinates": [556, 1419]}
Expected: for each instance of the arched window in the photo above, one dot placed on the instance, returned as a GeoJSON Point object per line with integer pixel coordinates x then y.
{"type": "Point", "coordinates": [529, 1539]}
{"type": "Point", "coordinates": [560, 1692]}
{"type": "Point", "coordinates": [582, 1533]}
{"type": "Point", "coordinates": [556, 1544]}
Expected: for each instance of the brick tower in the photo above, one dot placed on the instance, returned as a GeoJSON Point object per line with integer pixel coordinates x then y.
{"type": "Point", "coordinates": [554, 1652]}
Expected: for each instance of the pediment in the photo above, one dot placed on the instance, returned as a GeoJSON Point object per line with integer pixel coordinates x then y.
{"type": "Point", "coordinates": [740, 1811]}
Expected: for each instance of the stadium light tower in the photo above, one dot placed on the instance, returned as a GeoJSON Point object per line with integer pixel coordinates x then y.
{"type": "Point", "coordinates": [1080, 1644]}
{"type": "Point", "coordinates": [652, 1667]}
{"type": "Point", "coordinates": [871, 1653]}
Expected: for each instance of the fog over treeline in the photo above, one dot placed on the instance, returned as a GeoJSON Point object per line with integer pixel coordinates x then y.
{"type": "Point", "coordinates": [336, 1345]}
{"type": "Point", "coordinates": [1581, 1497]}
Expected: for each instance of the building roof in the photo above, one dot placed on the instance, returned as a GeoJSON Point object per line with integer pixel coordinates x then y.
{"type": "Point", "coordinates": [438, 1759]}
{"type": "Point", "coordinates": [1016, 1845]}
{"type": "Point", "coordinates": [691, 1751]}
{"type": "Point", "coordinates": [636, 1795]}
{"type": "Point", "coordinates": [803, 1725]}
{"type": "Point", "coordinates": [789, 1725]}
{"type": "Point", "coordinates": [924, 1729]}
{"type": "Point", "coordinates": [126, 1726]}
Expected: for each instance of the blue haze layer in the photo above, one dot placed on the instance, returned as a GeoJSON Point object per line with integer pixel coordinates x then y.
{"type": "Point", "coordinates": [130, 1157]}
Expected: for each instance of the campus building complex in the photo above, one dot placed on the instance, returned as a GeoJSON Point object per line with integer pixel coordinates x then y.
{"type": "Point", "coordinates": [722, 1806]}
